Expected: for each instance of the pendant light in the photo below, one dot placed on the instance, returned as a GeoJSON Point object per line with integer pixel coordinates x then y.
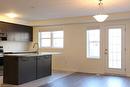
{"type": "Point", "coordinates": [100, 17]}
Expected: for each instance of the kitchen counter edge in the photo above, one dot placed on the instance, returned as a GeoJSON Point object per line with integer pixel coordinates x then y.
{"type": "Point", "coordinates": [33, 54]}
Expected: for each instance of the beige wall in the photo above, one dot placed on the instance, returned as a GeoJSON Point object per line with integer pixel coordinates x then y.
{"type": "Point", "coordinates": [73, 57]}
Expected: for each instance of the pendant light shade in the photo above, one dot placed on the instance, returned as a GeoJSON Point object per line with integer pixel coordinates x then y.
{"type": "Point", "coordinates": [100, 17]}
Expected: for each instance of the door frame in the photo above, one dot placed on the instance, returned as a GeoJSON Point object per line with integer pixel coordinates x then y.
{"type": "Point", "coordinates": [123, 64]}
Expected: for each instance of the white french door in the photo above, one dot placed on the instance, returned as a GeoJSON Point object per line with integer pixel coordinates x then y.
{"type": "Point", "coordinates": [114, 50]}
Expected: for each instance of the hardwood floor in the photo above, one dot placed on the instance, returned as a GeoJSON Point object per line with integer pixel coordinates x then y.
{"type": "Point", "coordinates": [89, 80]}
{"type": "Point", "coordinates": [36, 83]}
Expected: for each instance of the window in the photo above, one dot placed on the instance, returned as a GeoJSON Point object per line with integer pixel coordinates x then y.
{"type": "Point", "coordinates": [52, 39]}
{"type": "Point", "coordinates": [57, 39]}
{"type": "Point", "coordinates": [45, 39]}
{"type": "Point", "coordinates": [93, 43]}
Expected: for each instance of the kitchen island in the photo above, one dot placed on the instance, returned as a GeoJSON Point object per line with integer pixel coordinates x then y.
{"type": "Point", "coordinates": [20, 68]}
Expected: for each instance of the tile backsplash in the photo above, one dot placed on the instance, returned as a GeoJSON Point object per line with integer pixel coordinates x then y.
{"type": "Point", "coordinates": [15, 46]}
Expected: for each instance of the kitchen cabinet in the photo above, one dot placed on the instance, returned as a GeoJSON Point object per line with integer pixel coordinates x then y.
{"type": "Point", "coordinates": [3, 34]}
{"type": "Point", "coordinates": [10, 70]}
{"type": "Point", "coordinates": [16, 32]}
{"type": "Point", "coordinates": [19, 69]}
{"type": "Point", "coordinates": [27, 69]}
{"type": "Point", "coordinates": [43, 66]}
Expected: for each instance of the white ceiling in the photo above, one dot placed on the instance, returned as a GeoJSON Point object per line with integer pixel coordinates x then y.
{"type": "Point", "coordinates": [48, 9]}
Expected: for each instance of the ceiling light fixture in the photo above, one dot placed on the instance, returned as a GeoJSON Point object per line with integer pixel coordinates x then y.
{"type": "Point", "coordinates": [100, 17]}
{"type": "Point", "coordinates": [11, 15]}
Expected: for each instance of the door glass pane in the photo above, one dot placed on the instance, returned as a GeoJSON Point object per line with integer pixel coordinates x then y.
{"type": "Point", "coordinates": [114, 48]}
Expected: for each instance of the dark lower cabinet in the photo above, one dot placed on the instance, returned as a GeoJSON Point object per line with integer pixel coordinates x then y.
{"type": "Point", "coordinates": [19, 69]}
{"type": "Point", "coordinates": [10, 70]}
{"type": "Point", "coordinates": [27, 69]}
{"type": "Point", "coordinates": [43, 66]}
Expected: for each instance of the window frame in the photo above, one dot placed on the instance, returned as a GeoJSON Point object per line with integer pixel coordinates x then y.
{"type": "Point", "coordinates": [51, 39]}
{"type": "Point", "coordinates": [93, 57]}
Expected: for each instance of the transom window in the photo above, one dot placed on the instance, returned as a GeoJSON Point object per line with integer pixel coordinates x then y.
{"type": "Point", "coordinates": [52, 39]}
{"type": "Point", "coordinates": [93, 43]}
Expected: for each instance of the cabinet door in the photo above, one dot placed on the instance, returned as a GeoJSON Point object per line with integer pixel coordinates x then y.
{"type": "Point", "coordinates": [43, 66]}
{"type": "Point", "coordinates": [10, 36]}
{"type": "Point", "coordinates": [25, 36]}
{"type": "Point", "coordinates": [16, 32]}
{"type": "Point", "coordinates": [26, 32]}
{"type": "Point", "coordinates": [10, 70]}
{"type": "Point", "coordinates": [27, 69]}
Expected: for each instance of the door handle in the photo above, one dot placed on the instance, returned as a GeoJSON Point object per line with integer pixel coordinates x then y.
{"type": "Point", "coordinates": [106, 51]}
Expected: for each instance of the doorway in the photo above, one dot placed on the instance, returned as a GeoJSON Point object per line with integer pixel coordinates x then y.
{"type": "Point", "coordinates": [114, 50]}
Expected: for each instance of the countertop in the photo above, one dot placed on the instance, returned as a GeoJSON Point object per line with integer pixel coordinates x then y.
{"type": "Point", "coordinates": [32, 54]}
{"type": "Point", "coordinates": [18, 52]}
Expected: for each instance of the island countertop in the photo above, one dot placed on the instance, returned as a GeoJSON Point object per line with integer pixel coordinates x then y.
{"type": "Point", "coordinates": [32, 54]}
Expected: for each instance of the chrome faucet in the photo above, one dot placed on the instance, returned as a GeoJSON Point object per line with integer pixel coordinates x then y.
{"type": "Point", "coordinates": [37, 45]}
